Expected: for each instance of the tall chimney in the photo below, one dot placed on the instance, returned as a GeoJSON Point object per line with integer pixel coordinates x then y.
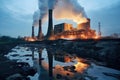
{"type": "Point", "coordinates": [40, 31]}
{"type": "Point", "coordinates": [50, 24]}
{"type": "Point", "coordinates": [99, 29]}
{"type": "Point", "coordinates": [33, 32]}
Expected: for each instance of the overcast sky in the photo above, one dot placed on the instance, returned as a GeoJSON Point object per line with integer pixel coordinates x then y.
{"type": "Point", "coordinates": [16, 16]}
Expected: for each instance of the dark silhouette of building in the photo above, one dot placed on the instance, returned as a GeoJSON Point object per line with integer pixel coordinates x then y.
{"type": "Point", "coordinates": [50, 24]}
{"type": "Point", "coordinates": [33, 32]}
{"type": "Point", "coordinates": [62, 27]}
{"type": "Point", "coordinates": [33, 49]}
{"type": "Point", "coordinates": [50, 60]}
{"type": "Point", "coordinates": [40, 55]}
{"type": "Point", "coordinates": [40, 35]}
{"type": "Point", "coordinates": [99, 29]}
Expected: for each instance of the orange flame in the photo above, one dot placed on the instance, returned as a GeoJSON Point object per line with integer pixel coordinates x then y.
{"type": "Point", "coordinates": [30, 39]}
{"type": "Point", "coordinates": [80, 66]}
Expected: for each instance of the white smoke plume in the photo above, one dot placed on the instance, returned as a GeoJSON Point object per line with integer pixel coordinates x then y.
{"type": "Point", "coordinates": [63, 9]}
{"type": "Point", "coordinates": [71, 10]}
{"type": "Point", "coordinates": [43, 7]}
{"type": "Point", "coordinates": [36, 16]}
{"type": "Point", "coordinates": [52, 3]}
{"type": "Point", "coordinates": [41, 12]}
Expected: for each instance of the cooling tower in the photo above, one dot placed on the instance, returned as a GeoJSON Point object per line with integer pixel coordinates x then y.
{"type": "Point", "coordinates": [50, 24]}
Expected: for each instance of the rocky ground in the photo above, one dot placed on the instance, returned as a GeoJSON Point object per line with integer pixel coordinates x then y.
{"type": "Point", "coordinates": [12, 70]}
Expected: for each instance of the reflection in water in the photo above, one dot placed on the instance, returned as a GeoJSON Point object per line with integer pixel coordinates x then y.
{"type": "Point", "coordinates": [32, 49]}
{"type": "Point", "coordinates": [46, 72]}
{"type": "Point", "coordinates": [80, 66]}
{"type": "Point", "coordinates": [59, 65]}
{"type": "Point", "coordinates": [40, 55]}
{"type": "Point", "coordinates": [45, 67]}
{"type": "Point", "coordinates": [50, 60]}
{"type": "Point", "coordinates": [54, 64]}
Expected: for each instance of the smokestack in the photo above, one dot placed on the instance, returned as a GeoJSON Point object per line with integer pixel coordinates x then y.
{"type": "Point", "coordinates": [33, 32]}
{"type": "Point", "coordinates": [40, 31]}
{"type": "Point", "coordinates": [99, 29]}
{"type": "Point", "coordinates": [50, 24]}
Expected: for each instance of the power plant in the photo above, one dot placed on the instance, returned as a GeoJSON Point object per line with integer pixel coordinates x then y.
{"type": "Point", "coordinates": [67, 31]}
{"type": "Point", "coordinates": [64, 31]}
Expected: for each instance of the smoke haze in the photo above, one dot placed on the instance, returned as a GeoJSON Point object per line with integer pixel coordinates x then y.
{"type": "Point", "coordinates": [63, 9]}
{"type": "Point", "coordinates": [36, 16]}
{"type": "Point", "coordinates": [71, 10]}
{"type": "Point", "coordinates": [43, 7]}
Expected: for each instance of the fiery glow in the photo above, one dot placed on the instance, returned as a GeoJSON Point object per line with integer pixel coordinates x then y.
{"type": "Point", "coordinates": [45, 65]}
{"type": "Point", "coordinates": [67, 59]}
{"type": "Point", "coordinates": [83, 36]}
{"type": "Point", "coordinates": [82, 31]}
{"type": "Point", "coordinates": [62, 37]}
{"type": "Point", "coordinates": [68, 37]}
{"type": "Point", "coordinates": [68, 11]}
{"type": "Point", "coordinates": [67, 27]}
{"type": "Point", "coordinates": [72, 70]}
{"type": "Point", "coordinates": [72, 36]}
{"type": "Point", "coordinates": [64, 14]}
{"type": "Point", "coordinates": [52, 37]}
{"type": "Point", "coordinates": [80, 66]}
{"type": "Point", "coordinates": [60, 70]}
{"type": "Point", "coordinates": [96, 37]}
{"type": "Point", "coordinates": [30, 39]}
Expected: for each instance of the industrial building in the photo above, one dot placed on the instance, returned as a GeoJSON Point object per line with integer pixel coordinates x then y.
{"type": "Point", "coordinates": [85, 25]}
{"type": "Point", "coordinates": [63, 30]}
{"type": "Point", "coordinates": [62, 27]}
{"type": "Point", "coordinates": [66, 31]}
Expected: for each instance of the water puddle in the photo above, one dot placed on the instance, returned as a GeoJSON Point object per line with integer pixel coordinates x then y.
{"type": "Point", "coordinates": [59, 65]}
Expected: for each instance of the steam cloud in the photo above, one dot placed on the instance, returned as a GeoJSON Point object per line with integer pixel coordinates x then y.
{"type": "Point", "coordinates": [43, 8]}
{"type": "Point", "coordinates": [52, 3]}
{"type": "Point", "coordinates": [71, 10]}
{"type": "Point", "coordinates": [63, 9]}
{"type": "Point", "coordinates": [36, 17]}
